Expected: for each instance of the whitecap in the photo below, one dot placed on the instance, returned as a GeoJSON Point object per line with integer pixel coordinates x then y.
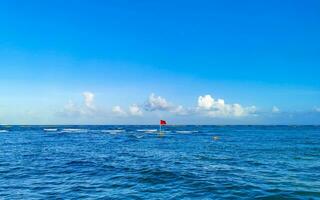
{"type": "Point", "coordinates": [4, 131]}
{"type": "Point", "coordinates": [112, 131]}
{"type": "Point", "coordinates": [147, 130]}
{"type": "Point", "coordinates": [73, 130]}
{"type": "Point", "coordinates": [165, 131]}
{"type": "Point", "coordinates": [186, 132]}
{"type": "Point", "coordinates": [138, 136]}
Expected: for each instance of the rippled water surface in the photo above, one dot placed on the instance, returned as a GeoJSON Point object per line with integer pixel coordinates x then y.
{"type": "Point", "coordinates": [135, 162]}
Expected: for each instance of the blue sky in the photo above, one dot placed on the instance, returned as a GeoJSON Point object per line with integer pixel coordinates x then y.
{"type": "Point", "coordinates": [134, 62]}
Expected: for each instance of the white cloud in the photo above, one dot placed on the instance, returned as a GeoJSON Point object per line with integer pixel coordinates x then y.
{"type": "Point", "coordinates": [180, 110]}
{"type": "Point", "coordinates": [118, 111]}
{"type": "Point", "coordinates": [206, 102]}
{"type": "Point", "coordinates": [88, 99]}
{"type": "Point", "coordinates": [135, 110]}
{"type": "Point", "coordinates": [218, 108]}
{"type": "Point", "coordinates": [207, 106]}
{"type": "Point", "coordinates": [275, 109]}
{"type": "Point", "coordinates": [156, 103]}
{"type": "Point", "coordinates": [88, 108]}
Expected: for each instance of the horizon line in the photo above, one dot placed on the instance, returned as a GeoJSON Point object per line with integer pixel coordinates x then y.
{"type": "Point", "coordinates": [158, 125]}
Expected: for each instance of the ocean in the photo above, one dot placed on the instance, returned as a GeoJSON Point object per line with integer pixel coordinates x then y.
{"type": "Point", "coordinates": [135, 162]}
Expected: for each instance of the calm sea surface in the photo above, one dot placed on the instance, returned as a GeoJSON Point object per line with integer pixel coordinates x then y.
{"type": "Point", "coordinates": [134, 162]}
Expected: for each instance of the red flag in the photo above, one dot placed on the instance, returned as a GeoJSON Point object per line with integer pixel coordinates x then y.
{"type": "Point", "coordinates": [162, 122]}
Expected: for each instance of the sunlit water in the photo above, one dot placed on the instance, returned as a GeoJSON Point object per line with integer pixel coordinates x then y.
{"type": "Point", "coordinates": [134, 162]}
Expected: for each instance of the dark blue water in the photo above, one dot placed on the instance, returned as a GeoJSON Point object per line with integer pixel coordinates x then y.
{"type": "Point", "coordinates": [187, 162]}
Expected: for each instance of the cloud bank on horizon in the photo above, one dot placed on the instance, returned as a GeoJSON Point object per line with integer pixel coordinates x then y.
{"type": "Point", "coordinates": [205, 109]}
{"type": "Point", "coordinates": [156, 107]}
{"type": "Point", "coordinates": [206, 106]}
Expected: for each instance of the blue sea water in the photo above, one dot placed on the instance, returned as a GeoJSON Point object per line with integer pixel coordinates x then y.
{"type": "Point", "coordinates": [134, 162]}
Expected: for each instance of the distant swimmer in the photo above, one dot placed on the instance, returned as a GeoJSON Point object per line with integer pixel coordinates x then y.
{"type": "Point", "coordinates": [215, 137]}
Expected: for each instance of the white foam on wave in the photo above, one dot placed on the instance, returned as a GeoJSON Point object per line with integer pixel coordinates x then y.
{"type": "Point", "coordinates": [4, 131]}
{"type": "Point", "coordinates": [147, 130]}
{"type": "Point", "coordinates": [50, 129]}
{"type": "Point", "coordinates": [74, 130]}
{"type": "Point", "coordinates": [138, 136]}
{"type": "Point", "coordinates": [186, 132]}
{"type": "Point", "coordinates": [116, 131]}
{"type": "Point", "coordinates": [165, 131]}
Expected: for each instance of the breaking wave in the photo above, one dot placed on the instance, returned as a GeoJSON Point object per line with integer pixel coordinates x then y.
{"type": "Point", "coordinates": [74, 130]}
{"type": "Point", "coordinates": [112, 131]}
{"type": "Point", "coordinates": [147, 130]}
{"type": "Point", "coordinates": [186, 132]}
